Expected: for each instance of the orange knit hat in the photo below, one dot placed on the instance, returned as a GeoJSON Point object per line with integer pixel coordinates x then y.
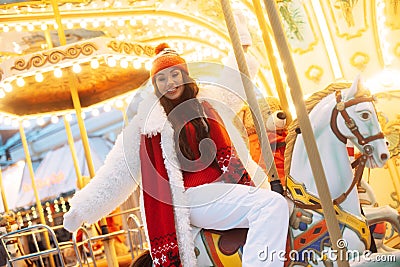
{"type": "Point", "coordinates": [165, 58]}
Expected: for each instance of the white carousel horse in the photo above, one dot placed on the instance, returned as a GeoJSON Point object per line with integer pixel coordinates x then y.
{"type": "Point", "coordinates": [353, 117]}
{"type": "Point", "coordinates": [347, 115]}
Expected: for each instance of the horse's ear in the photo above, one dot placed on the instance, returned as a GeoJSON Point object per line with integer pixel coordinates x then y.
{"type": "Point", "coordinates": [356, 89]}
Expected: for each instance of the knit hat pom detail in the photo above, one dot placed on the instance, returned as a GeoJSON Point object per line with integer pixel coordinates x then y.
{"type": "Point", "coordinates": [167, 57]}
{"type": "Point", "coordinates": [161, 47]}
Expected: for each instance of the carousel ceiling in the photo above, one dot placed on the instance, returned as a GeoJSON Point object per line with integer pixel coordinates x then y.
{"type": "Point", "coordinates": [107, 45]}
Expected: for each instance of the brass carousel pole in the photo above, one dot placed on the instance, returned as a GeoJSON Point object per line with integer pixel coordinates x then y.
{"type": "Point", "coordinates": [67, 126]}
{"type": "Point", "coordinates": [3, 193]}
{"type": "Point", "coordinates": [39, 206]}
{"type": "Point", "coordinates": [108, 243]}
{"type": "Point", "coordinates": [280, 89]}
{"type": "Point", "coordinates": [306, 129]}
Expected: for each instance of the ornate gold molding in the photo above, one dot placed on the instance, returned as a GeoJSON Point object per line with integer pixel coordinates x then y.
{"type": "Point", "coordinates": [392, 134]}
{"type": "Point", "coordinates": [55, 56]}
{"type": "Point", "coordinates": [1, 74]}
{"type": "Point", "coordinates": [359, 60]}
{"type": "Point", "coordinates": [129, 48]}
{"type": "Point", "coordinates": [314, 73]}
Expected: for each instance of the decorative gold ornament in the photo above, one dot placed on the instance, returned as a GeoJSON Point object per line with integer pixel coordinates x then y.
{"type": "Point", "coordinates": [55, 56]}
{"type": "Point", "coordinates": [359, 60]}
{"type": "Point", "coordinates": [129, 48]}
{"type": "Point", "coordinates": [314, 73]}
{"type": "Point", "coordinates": [1, 74]}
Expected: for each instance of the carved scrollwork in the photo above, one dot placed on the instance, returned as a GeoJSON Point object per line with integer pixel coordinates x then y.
{"type": "Point", "coordinates": [55, 56]}
{"type": "Point", "coordinates": [129, 48]}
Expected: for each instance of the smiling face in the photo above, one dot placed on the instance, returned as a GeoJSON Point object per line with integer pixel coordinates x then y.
{"type": "Point", "coordinates": [169, 83]}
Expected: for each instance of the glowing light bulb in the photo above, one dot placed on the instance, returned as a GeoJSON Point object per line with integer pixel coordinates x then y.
{"type": "Point", "coordinates": [94, 64]}
{"type": "Point", "coordinates": [54, 119]}
{"type": "Point", "coordinates": [76, 68]}
{"type": "Point", "coordinates": [57, 73]}
{"type": "Point", "coordinates": [68, 117]}
{"type": "Point", "coordinates": [43, 27]}
{"type": "Point", "coordinates": [7, 87]}
{"type": "Point", "coordinates": [39, 77]}
{"type": "Point", "coordinates": [111, 62]}
{"type": "Point", "coordinates": [123, 63]}
{"type": "Point", "coordinates": [40, 121]}
{"type": "Point", "coordinates": [20, 81]}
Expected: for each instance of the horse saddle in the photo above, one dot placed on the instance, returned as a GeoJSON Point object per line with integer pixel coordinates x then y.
{"type": "Point", "coordinates": [229, 241]}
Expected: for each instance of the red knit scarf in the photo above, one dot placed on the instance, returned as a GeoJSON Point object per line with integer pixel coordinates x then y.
{"type": "Point", "coordinates": [157, 193]}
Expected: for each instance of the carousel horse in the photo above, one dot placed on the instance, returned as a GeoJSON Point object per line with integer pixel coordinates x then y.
{"type": "Point", "coordinates": [337, 114]}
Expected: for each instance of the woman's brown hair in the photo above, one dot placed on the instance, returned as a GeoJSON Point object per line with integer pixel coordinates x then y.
{"type": "Point", "coordinates": [193, 114]}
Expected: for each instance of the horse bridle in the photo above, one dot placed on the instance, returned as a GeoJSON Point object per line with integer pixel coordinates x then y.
{"type": "Point", "coordinates": [358, 164]}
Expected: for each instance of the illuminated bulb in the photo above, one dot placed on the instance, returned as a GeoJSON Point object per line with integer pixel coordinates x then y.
{"type": "Point", "coordinates": [20, 82]}
{"type": "Point", "coordinates": [54, 119]}
{"type": "Point", "coordinates": [70, 25]}
{"type": "Point", "coordinates": [83, 24]}
{"type": "Point", "coordinates": [106, 4]}
{"type": "Point", "coordinates": [76, 68]}
{"type": "Point", "coordinates": [30, 27]}
{"type": "Point", "coordinates": [39, 77]}
{"type": "Point", "coordinates": [69, 6]}
{"type": "Point", "coordinates": [7, 120]}
{"type": "Point", "coordinates": [68, 117]}
{"type": "Point", "coordinates": [57, 73]}
{"type": "Point", "coordinates": [7, 87]}
{"type": "Point", "coordinates": [145, 21]}
{"type": "Point", "coordinates": [43, 27]}
{"type": "Point", "coordinates": [18, 28]}
{"type": "Point", "coordinates": [121, 22]}
{"type": "Point", "coordinates": [94, 63]}
{"type": "Point", "coordinates": [96, 24]}
{"type": "Point", "coordinates": [40, 121]}
{"type": "Point", "coordinates": [118, 4]}
{"type": "Point", "coordinates": [119, 103]}
{"type": "Point", "coordinates": [2, 93]}
{"type": "Point", "coordinates": [6, 28]}
{"type": "Point", "coordinates": [26, 123]}
{"type": "Point", "coordinates": [55, 26]}
{"type": "Point", "coordinates": [108, 23]}
{"type": "Point", "coordinates": [123, 63]}
{"type": "Point", "coordinates": [132, 22]}
{"type": "Point", "coordinates": [95, 112]}
{"type": "Point", "coordinates": [107, 108]}
{"type": "Point", "coordinates": [83, 115]}
{"type": "Point", "coordinates": [111, 62]}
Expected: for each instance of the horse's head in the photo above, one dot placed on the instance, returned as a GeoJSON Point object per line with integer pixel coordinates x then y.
{"type": "Point", "coordinates": [357, 120]}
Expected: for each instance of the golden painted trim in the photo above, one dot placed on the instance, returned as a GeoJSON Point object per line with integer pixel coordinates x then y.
{"type": "Point", "coordinates": [314, 73]}
{"type": "Point", "coordinates": [129, 48]}
{"type": "Point", "coordinates": [55, 56]}
{"type": "Point", "coordinates": [396, 50]}
{"type": "Point", "coordinates": [40, 4]}
{"type": "Point", "coordinates": [375, 32]}
{"type": "Point", "coordinates": [346, 35]}
{"type": "Point", "coordinates": [1, 74]}
{"type": "Point", "coordinates": [311, 46]}
{"type": "Point", "coordinates": [359, 60]}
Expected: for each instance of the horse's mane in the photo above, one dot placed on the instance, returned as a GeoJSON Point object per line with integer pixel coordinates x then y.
{"type": "Point", "coordinates": [311, 102]}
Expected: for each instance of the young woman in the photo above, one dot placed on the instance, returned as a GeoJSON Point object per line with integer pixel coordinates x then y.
{"type": "Point", "coordinates": [177, 149]}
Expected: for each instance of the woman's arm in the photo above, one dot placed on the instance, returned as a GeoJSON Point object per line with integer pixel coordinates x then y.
{"type": "Point", "coordinates": [111, 185]}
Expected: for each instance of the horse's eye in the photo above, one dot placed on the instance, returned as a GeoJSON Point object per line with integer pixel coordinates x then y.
{"type": "Point", "coordinates": [365, 115]}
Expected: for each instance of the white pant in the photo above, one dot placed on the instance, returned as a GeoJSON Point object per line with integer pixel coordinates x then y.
{"type": "Point", "coordinates": [225, 206]}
